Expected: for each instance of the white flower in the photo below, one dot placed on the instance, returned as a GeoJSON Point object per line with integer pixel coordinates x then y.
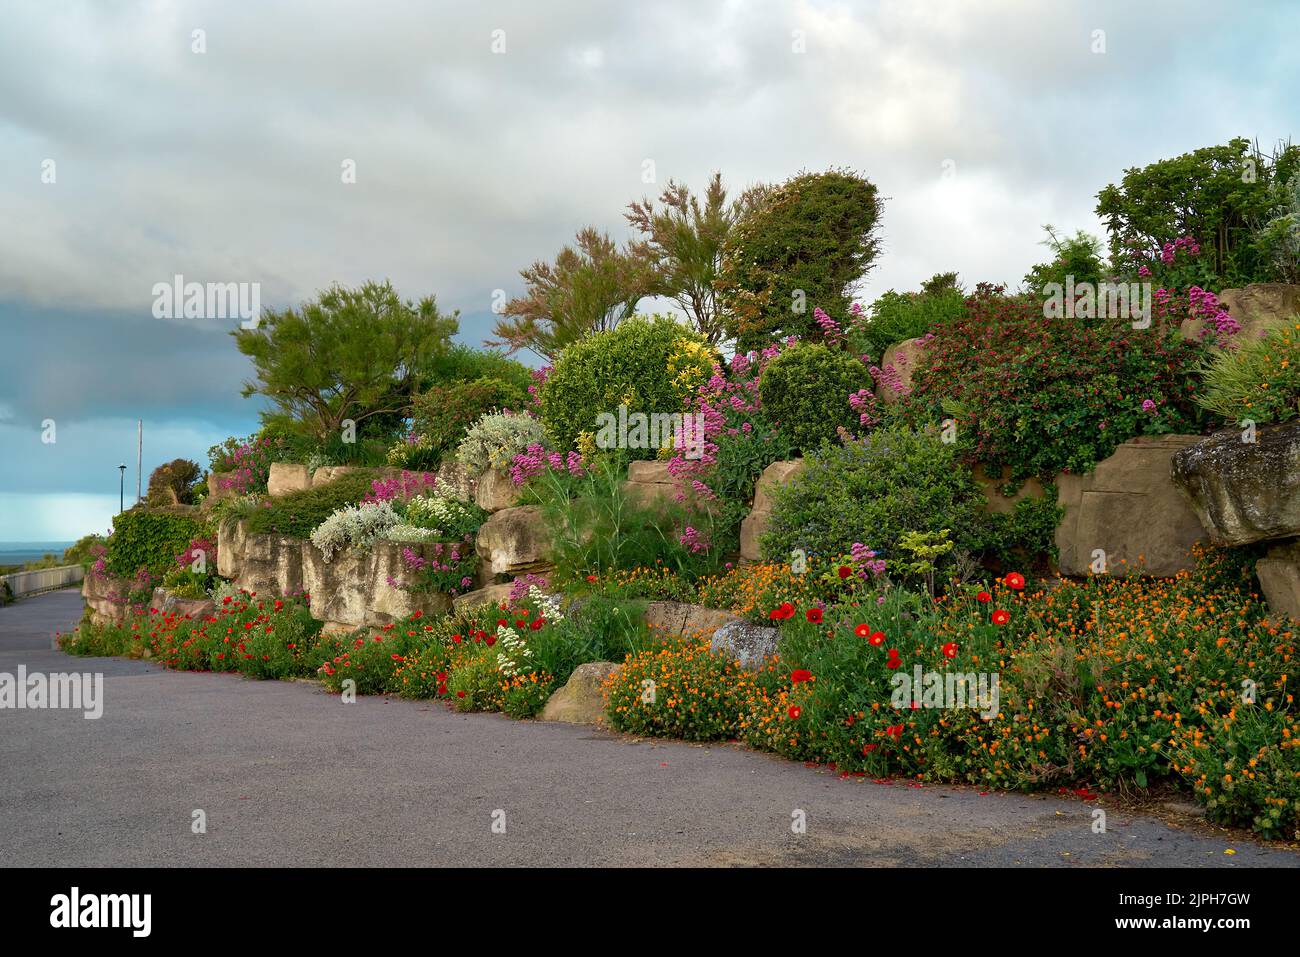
{"type": "Point", "coordinates": [358, 525]}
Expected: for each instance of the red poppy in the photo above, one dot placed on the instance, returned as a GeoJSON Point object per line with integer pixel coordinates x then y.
{"type": "Point", "coordinates": [984, 597]}
{"type": "Point", "coordinates": [814, 615]}
{"type": "Point", "coordinates": [460, 694]}
{"type": "Point", "coordinates": [950, 650]}
{"type": "Point", "coordinates": [845, 571]}
{"type": "Point", "coordinates": [520, 623]}
{"type": "Point", "coordinates": [877, 638]}
{"type": "Point", "coordinates": [868, 748]}
{"type": "Point", "coordinates": [398, 658]}
{"type": "Point", "coordinates": [895, 731]}
{"type": "Point", "coordinates": [442, 689]}
{"type": "Point", "coordinates": [455, 639]}
{"type": "Point", "coordinates": [591, 578]}
{"type": "Point", "coordinates": [442, 677]}
{"type": "Point", "coordinates": [501, 623]}
{"type": "Point", "coordinates": [1015, 580]}
{"type": "Point", "coordinates": [490, 640]}
{"type": "Point", "coordinates": [862, 631]}
{"type": "Point", "coordinates": [800, 675]}
{"type": "Point", "coordinates": [894, 663]}
{"type": "Point", "coordinates": [795, 711]}
{"type": "Point", "coordinates": [418, 614]}
{"type": "Point", "coordinates": [537, 624]}
{"type": "Point", "coordinates": [1001, 617]}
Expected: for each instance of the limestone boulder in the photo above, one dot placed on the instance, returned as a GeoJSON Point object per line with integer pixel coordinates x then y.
{"type": "Point", "coordinates": [650, 482]}
{"type": "Point", "coordinates": [899, 363]}
{"type": "Point", "coordinates": [582, 699]}
{"type": "Point", "coordinates": [105, 596]}
{"type": "Point", "coordinates": [488, 595]}
{"type": "Point", "coordinates": [1129, 508]}
{"type": "Point", "coordinates": [287, 477]}
{"type": "Point", "coordinates": [495, 491]}
{"type": "Point", "coordinates": [1244, 491]}
{"type": "Point", "coordinates": [1279, 578]}
{"type": "Point", "coordinates": [456, 480]}
{"type": "Point", "coordinates": [995, 501]}
{"type": "Point", "coordinates": [755, 523]}
{"type": "Point", "coordinates": [513, 541]}
{"type": "Point", "coordinates": [328, 473]}
{"type": "Point", "coordinates": [1262, 305]}
{"type": "Point", "coordinates": [218, 488]}
{"type": "Point", "coordinates": [194, 608]}
{"type": "Point", "coordinates": [232, 538]}
{"type": "Point", "coordinates": [751, 645]}
{"type": "Point", "coordinates": [680, 618]}
{"type": "Point", "coordinates": [270, 565]}
{"type": "Point", "coordinates": [359, 588]}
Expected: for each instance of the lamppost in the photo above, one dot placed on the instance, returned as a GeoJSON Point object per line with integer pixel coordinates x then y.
{"type": "Point", "coordinates": [121, 489]}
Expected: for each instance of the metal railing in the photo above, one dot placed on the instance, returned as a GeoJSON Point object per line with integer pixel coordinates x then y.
{"type": "Point", "coordinates": [42, 579]}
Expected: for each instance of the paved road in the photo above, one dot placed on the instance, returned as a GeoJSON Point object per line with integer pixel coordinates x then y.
{"type": "Point", "coordinates": [288, 775]}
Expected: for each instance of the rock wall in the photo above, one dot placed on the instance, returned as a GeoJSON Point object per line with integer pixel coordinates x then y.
{"type": "Point", "coordinates": [1130, 508]}
{"type": "Point", "coordinates": [105, 597]}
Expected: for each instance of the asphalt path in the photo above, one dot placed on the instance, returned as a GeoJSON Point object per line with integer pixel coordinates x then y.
{"type": "Point", "coordinates": [285, 774]}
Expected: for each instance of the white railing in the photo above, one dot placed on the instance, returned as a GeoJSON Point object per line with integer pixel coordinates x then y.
{"type": "Point", "coordinates": [43, 579]}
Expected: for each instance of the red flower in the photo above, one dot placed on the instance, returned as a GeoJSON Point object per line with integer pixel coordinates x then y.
{"type": "Point", "coordinates": [868, 748]}
{"type": "Point", "coordinates": [845, 571]}
{"type": "Point", "coordinates": [418, 614]}
{"type": "Point", "coordinates": [862, 631]}
{"type": "Point", "coordinates": [800, 675]}
{"type": "Point", "coordinates": [893, 664]}
{"type": "Point", "coordinates": [442, 689]}
{"type": "Point", "coordinates": [877, 638]}
{"type": "Point", "coordinates": [455, 639]}
{"type": "Point", "coordinates": [795, 711]}
{"type": "Point", "coordinates": [460, 694]}
{"type": "Point", "coordinates": [490, 640]}
{"type": "Point", "coordinates": [814, 615]}
{"type": "Point", "coordinates": [1001, 617]}
{"type": "Point", "coordinates": [226, 600]}
{"type": "Point", "coordinates": [895, 731]}
{"type": "Point", "coordinates": [591, 578]}
{"type": "Point", "coordinates": [1015, 580]}
{"type": "Point", "coordinates": [984, 597]}
{"type": "Point", "coordinates": [442, 677]}
{"type": "Point", "coordinates": [537, 624]}
{"type": "Point", "coordinates": [950, 650]}
{"type": "Point", "coordinates": [398, 658]}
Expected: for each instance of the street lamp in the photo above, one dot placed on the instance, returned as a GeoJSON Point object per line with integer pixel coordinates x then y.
{"type": "Point", "coordinates": [121, 489]}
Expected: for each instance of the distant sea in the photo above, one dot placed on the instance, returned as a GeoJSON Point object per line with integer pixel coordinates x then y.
{"type": "Point", "coordinates": [19, 553]}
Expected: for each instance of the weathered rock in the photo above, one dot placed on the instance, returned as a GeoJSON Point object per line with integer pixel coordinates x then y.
{"type": "Point", "coordinates": [582, 699]}
{"type": "Point", "coordinates": [488, 595]}
{"type": "Point", "coordinates": [514, 541]}
{"type": "Point", "coordinates": [995, 501]}
{"type": "Point", "coordinates": [899, 362]}
{"type": "Point", "coordinates": [1262, 305]}
{"type": "Point", "coordinates": [755, 523]}
{"type": "Point", "coordinates": [286, 477]}
{"type": "Point", "coordinates": [216, 491]}
{"type": "Point", "coordinates": [328, 473]}
{"type": "Point", "coordinates": [750, 645]}
{"type": "Point", "coordinates": [195, 608]}
{"type": "Point", "coordinates": [650, 482]}
{"type": "Point", "coordinates": [1279, 578]}
{"type": "Point", "coordinates": [232, 538]}
{"type": "Point", "coordinates": [650, 473]}
{"type": "Point", "coordinates": [1241, 491]}
{"type": "Point", "coordinates": [1129, 508]}
{"type": "Point", "coordinates": [270, 565]}
{"type": "Point", "coordinates": [105, 596]}
{"type": "Point", "coordinates": [680, 618]}
{"type": "Point", "coordinates": [495, 491]}
{"type": "Point", "coordinates": [354, 588]}
{"type": "Point", "coordinates": [456, 481]}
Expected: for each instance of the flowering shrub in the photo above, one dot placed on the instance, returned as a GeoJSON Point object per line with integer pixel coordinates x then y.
{"type": "Point", "coordinates": [1042, 396]}
{"type": "Point", "coordinates": [535, 460]}
{"type": "Point", "coordinates": [444, 514]}
{"type": "Point", "coordinates": [450, 569]}
{"type": "Point", "coordinates": [397, 490]}
{"type": "Point", "coordinates": [495, 439]}
{"type": "Point", "coordinates": [806, 391]}
{"type": "Point", "coordinates": [371, 658]}
{"type": "Point", "coordinates": [244, 465]}
{"type": "Point", "coordinates": [152, 540]}
{"type": "Point", "coordinates": [1259, 380]}
{"type": "Point", "coordinates": [444, 412]}
{"type": "Point", "coordinates": [354, 525]}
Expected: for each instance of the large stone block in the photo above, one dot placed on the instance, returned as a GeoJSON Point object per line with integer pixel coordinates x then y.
{"type": "Point", "coordinates": [750, 645]}
{"type": "Point", "coordinates": [1128, 507]}
{"type": "Point", "coordinates": [680, 618]}
{"type": "Point", "coordinates": [899, 363]}
{"type": "Point", "coordinates": [1260, 306]}
{"type": "Point", "coordinates": [362, 587]}
{"type": "Point", "coordinates": [582, 699]}
{"type": "Point", "coordinates": [270, 565]}
{"type": "Point", "coordinates": [1279, 579]}
{"type": "Point", "coordinates": [328, 473]}
{"type": "Point", "coordinates": [193, 608]}
{"type": "Point", "coordinates": [286, 477]}
{"type": "Point", "coordinates": [997, 503]}
{"type": "Point", "coordinates": [1243, 491]}
{"type": "Point", "coordinates": [105, 596]}
{"type": "Point", "coordinates": [755, 523]}
{"type": "Point", "coordinates": [487, 595]}
{"type": "Point", "coordinates": [456, 480]}
{"type": "Point", "coordinates": [514, 541]}
{"type": "Point", "coordinates": [495, 491]}
{"type": "Point", "coordinates": [232, 538]}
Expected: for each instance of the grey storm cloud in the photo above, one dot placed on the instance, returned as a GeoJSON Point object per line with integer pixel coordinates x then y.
{"type": "Point", "coordinates": [225, 165]}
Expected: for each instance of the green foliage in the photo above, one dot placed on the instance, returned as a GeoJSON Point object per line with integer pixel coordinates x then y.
{"type": "Point", "coordinates": [496, 438]}
{"type": "Point", "coordinates": [1025, 537]}
{"type": "Point", "coordinates": [85, 550]}
{"type": "Point", "coordinates": [651, 365]}
{"type": "Point", "coordinates": [299, 513]}
{"type": "Point", "coordinates": [173, 483]}
{"type": "Point", "coordinates": [1042, 396]}
{"type": "Point", "coordinates": [896, 316]}
{"type": "Point", "coordinates": [1258, 380]}
{"type": "Point", "coordinates": [1278, 240]}
{"type": "Point", "coordinates": [462, 363]}
{"type": "Point", "coordinates": [350, 354]}
{"type": "Point", "coordinates": [806, 245]}
{"type": "Point", "coordinates": [590, 288]}
{"type": "Point", "coordinates": [143, 538]}
{"type": "Point", "coordinates": [1218, 194]}
{"type": "Point", "coordinates": [1077, 257]}
{"type": "Point", "coordinates": [873, 492]}
{"type": "Point", "coordinates": [443, 413]}
{"type": "Point", "coordinates": [599, 628]}
{"type": "Point", "coordinates": [805, 391]}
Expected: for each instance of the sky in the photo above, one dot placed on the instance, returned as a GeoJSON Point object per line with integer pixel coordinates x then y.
{"type": "Point", "coordinates": [213, 140]}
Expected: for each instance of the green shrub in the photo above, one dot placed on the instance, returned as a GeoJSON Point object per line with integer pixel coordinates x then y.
{"type": "Point", "coordinates": [443, 413]}
{"type": "Point", "coordinates": [897, 316]}
{"type": "Point", "coordinates": [299, 513]}
{"type": "Point", "coordinates": [85, 550]}
{"type": "Point", "coordinates": [462, 363]}
{"type": "Point", "coordinates": [651, 365]}
{"type": "Point", "coordinates": [1077, 257]}
{"type": "Point", "coordinates": [1259, 380]}
{"type": "Point", "coordinates": [874, 492]}
{"type": "Point", "coordinates": [173, 483]}
{"type": "Point", "coordinates": [806, 245]}
{"type": "Point", "coordinates": [805, 391]}
{"type": "Point", "coordinates": [151, 539]}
